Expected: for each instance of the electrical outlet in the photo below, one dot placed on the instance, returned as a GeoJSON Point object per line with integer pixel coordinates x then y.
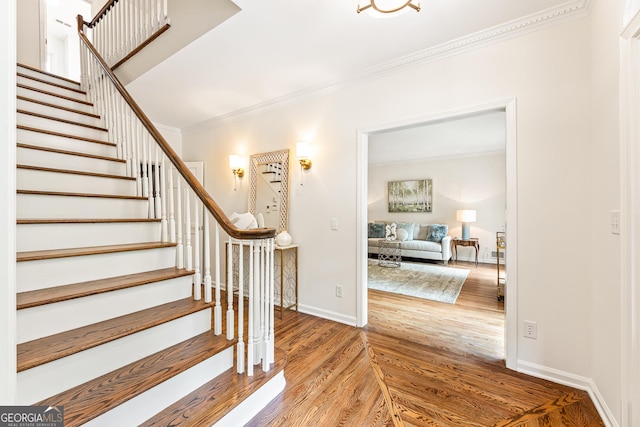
{"type": "Point", "coordinates": [530, 329]}
{"type": "Point", "coordinates": [339, 291]}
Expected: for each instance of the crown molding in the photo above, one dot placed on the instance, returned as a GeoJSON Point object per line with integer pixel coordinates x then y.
{"type": "Point", "coordinates": [544, 19]}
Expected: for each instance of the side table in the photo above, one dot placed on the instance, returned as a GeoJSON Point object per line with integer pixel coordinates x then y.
{"type": "Point", "coordinates": [473, 242]}
{"type": "Point", "coordinates": [389, 254]}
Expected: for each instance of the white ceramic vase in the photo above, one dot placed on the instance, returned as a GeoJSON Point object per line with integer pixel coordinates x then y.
{"type": "Point", "coordinates": [283, 239]}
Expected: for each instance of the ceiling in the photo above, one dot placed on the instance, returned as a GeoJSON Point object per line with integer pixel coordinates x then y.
{"type": "Point", "coordinates": [276, 49]}
{"type": "Point", "coordinates": [471, 135]}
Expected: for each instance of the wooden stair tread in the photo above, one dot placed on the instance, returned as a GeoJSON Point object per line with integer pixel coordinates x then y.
{"type": "Point", "coordinates": [215, 399]}
{"type": "Point", "coordinates": [57, 95]}
{"type": "Point", "coordinates": [37, 70]}
{"type": "Point", "coordinates": [93, 250]}
{"type": "Point", "coordinates": [62, 193]}
{"type": "Point", "coordinates": [74, 172]}
{"type": "Point", "coordinates": [70, 153]}
{"type": "Point", "coordinates": [47, 82]}
{"type": "Point", "coordinates": [44, 350]}
{"type": "Point", "coordinates": [93, 398]}
{"type": "Point", "coordinates": [84, 220]}
{"type": "Point", "coordinates": [58, 119]}
{"type": "Point", "coordinates": [65, 135]}
{"type": "Point", "coordinates": [79, 290]}
{"type": "Point", "coordinates": [59, 107]}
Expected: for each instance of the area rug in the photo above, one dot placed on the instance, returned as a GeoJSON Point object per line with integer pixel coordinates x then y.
{"type": "Point", "coordinates": [428, 281]}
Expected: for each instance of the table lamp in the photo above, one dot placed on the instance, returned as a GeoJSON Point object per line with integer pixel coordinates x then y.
{"type": "Point", "coordinates": [465, 216]}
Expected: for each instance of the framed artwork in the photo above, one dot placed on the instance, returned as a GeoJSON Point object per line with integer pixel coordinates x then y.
{"type": "Point", "coordinates": [410, 196]}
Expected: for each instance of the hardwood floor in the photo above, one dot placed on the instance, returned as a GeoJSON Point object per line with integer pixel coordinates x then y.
{"type": "Point", "coordinates": [417, 363]}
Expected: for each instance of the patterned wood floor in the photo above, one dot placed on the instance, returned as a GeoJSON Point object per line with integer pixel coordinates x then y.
{"type": "Point", "coordinates": [417, 363]}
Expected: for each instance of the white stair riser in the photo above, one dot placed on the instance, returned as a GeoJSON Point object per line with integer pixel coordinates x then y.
{"type": "Point", "coordinates": [47, 77]}
{"type": "Point", "coordinates": [31, 157]}
{"type": "Point", "coordinates": [34, 206]}
{"type": "Point", "coordinates": [56, 126]}
{"type": "Point", "coordinates": [56, 100]}
{"type": "Point", "coordinates": [42, 321]}
{"type": "Point", "coordinates": [32, 275]}
{"type": "Point", "coordinates": [35, 107]}
{"type": "Point", "coordinates": [62, 143]}
{"type": "Point", "coordinates": [40, 237]}
{"type": "Point", "coordinates": [46, 380]}
{"type": "Point", "coordinates": [137, 410]}
{"type": "Point", "coordinates": [28, 179]}
{"type": "Point", "coordinates": [51, 88]}
{"type": "Point", "coordinates": [252, 405]}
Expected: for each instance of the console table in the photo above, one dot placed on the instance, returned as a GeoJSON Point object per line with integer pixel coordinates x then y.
{"type": "Point", "coordinates": [473, 242]}
{"type": "Point", "coordinates": [289, 275]}
{"type": "Point", "coordinates": [286, 282]}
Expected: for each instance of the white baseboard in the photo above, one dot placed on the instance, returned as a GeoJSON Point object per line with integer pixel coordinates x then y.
{"type": "Point", "coordinates": [329, 315]}
{"type": "Point", "coordinates": [571, 380]}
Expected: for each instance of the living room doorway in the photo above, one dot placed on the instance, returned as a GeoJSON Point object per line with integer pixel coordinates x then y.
{"type": "Point", "coordinates": [451, 161]}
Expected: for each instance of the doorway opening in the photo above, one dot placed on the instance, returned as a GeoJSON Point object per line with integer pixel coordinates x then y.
{"type": "Point", "coordinates": [449, 193]}
{"type": "Point", "coordinates": [62, 42]}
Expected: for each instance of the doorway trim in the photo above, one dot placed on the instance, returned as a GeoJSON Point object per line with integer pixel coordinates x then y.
{"type": "Point", "coordinates": [629, 211]}
{"type": "Point", "coordinates": [511, 215]}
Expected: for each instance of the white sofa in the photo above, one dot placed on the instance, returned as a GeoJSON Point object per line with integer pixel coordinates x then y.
{"type": "Point", "coordinates": [417, 244]}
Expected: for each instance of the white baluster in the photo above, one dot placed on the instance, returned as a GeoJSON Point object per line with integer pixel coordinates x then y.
{"type": "Point", "coordinates": [133, 125]}
{"type": "Point", "coordinates": [250, 320]}
{"type": "Point", "coordinates": [267, 293]}
{"type": "Point", "coordinates": [179, 248]}
{"type": "Point", "coordinates": [156, 185]}
{"type": "Point", "coordinates": [187, 231]}
{"type": "Point", "coordinates": [197, 278]}
{"type": "Point", "coordinates": [149, 168]}
{"type": "Point", "coordinates": [240, 347]}
{"type": "Point", "coordinates": [217, 309]}
{"type": "Point", "coordinates": [163, 194]}
{"type": "Point", "coordinates": [230, 313]}
{"type": "Point", "coordinates": [143, 151]}
{"type": "Point", "coordinates": [207, 259]}
{"type": "Point", "coordinates": [172, 221]}
{"type": "Point", "coordinates": [270, 346]}
{"type": "Point", "coordinates": [262, 300]}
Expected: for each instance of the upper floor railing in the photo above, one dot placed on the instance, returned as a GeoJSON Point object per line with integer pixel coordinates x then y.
{"type": "Point", "coordinates": [185, 208]}
{"type": "Point", "coordinates": [124, 27]}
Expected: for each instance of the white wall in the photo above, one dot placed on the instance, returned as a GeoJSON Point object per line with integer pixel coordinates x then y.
{"type": "Point", "coordinates": [549, 72]}
{"type": "Point", "coordinates": [173, 137]}
{"type": "Point", "coordinates": [469, 182]}
{"type": "Point", "coordinates": [29, 33]}
{"type": "Point", "coordinates": [7, 201]}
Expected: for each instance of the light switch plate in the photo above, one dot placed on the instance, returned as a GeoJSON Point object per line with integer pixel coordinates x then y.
{"type": "Point", "coordinates": [334, 223]}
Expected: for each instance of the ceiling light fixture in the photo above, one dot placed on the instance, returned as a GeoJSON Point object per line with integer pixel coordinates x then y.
{"type": "Point", "coordinates": [386, 7]}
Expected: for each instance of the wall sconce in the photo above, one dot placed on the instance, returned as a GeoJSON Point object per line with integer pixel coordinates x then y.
{"type": "Point", "coordinates": [235, 163]}
{"type": "Point", "coordinates": [465, 216]}
{"type": "Point", "coordinates": [302, 154]}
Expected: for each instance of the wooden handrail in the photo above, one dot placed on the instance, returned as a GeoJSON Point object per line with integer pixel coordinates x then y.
{"type": "Point", "coordinates": [209, 203]}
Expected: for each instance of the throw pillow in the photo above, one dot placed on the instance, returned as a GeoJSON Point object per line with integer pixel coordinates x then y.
{"type": "Point", "coordinates": [402, 234]}
{"type": "Point", "coordinates": [243, 221]}
{"type": "Point", "coordinates": [376, 231]}
{"type": "Point", "coordinates": [437, 232]}
{"type": "Point", "coordinates": [408, 227]}
{"type": "Point", "coordinates": [390, 231]}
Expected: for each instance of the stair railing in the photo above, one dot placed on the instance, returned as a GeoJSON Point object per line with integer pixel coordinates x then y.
{"type": "Point", "coordinates": [124, 27]}
{"type": "Point", "coordinates": [182, 204]}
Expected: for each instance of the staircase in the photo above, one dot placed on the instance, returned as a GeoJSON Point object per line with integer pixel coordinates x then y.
{"type": "Point", "coordinates": [107, 325]}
